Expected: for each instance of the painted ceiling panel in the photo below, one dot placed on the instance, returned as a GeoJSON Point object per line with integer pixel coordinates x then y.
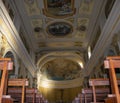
{"type": "Point", "coordinates": [52, 19]}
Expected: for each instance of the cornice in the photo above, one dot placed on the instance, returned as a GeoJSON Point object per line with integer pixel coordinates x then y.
{"type": "Point", "coordinates": [60, 84]}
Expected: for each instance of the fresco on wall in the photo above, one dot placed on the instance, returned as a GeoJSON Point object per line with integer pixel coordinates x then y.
{"type": "Point", "coordinates": [61, 69]}
{"type": "Point", "coordinates": [59, 7]}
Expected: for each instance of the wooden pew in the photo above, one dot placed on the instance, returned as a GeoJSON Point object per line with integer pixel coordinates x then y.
{"type": "Point", "coordinates": [7, 99]}
{"type": "Point", "coordinates": [112, 63]}
{"type": "Point", "coordinates": [5, 65]}
{"type": "Point", "coordinates": [30, 93]}
{"type": "Point", "coordinates": [19, 83]}
{"type": "Point", "coordinates": [100, 94]}
{"type": "Point", "coordinates": [40, 98]}
{"type": "Point", "coordinates": [99, 82]}
{"type": "Point", "coordinates": [86, 96]}
{"type": "Point", "coordinates": [110, 99]}
{"type": "Point", "coordinates": [81, 97]}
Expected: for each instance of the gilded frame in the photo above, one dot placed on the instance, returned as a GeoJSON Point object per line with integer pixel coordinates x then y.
{"type": "Point", "coordinates": [59, 10]}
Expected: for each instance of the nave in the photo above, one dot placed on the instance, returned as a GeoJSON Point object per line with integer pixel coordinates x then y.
{"type": "Point", "coordinates": [59, 51]}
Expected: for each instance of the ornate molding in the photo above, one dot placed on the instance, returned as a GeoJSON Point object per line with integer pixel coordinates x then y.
{"type": "Point", "coordinates": [60, 84]}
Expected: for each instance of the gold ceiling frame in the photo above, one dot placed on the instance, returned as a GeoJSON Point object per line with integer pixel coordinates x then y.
{"type": "Point", "coordinates": [61, 13]}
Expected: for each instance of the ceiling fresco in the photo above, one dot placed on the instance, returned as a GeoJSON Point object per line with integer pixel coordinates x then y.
{"type": "Point", "coordinates": [61, 69]}
{"type": "Point", "coordinates": [66, 21]}
{"type": "Point", "coordinates": [59, 33]}
{"type": "Point", "coordinates": [59, 25]}
{"type": "Point", "coordinates": [59, 8]}
{"type": "Point", "coordinates": [59, 29]}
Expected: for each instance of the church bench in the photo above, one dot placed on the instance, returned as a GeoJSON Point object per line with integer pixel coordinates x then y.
{"type": "Point", "coordinates": [81, 97]}
{"type": "Point", "coordinates": [97, 83]}
{"type": "Point", "coordinates": [19, 83]}
{"type": "Point", "coordinates": [5, 65]}
{"type": "Point", "coordinates": [7, 99]}
{"type": "Point", "coordinates": [110, 99]}
{"type": "Point", "coordinates": [100, 94]}
{"type": "Point", "coordinates": [38, 99]}
{"type": "Point", "coordinates": [29, 93]}
{"type": "Point", "coordinates": [112, 63]}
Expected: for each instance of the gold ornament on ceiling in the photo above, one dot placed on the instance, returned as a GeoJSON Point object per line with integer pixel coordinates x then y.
{"type": "Point", "coordinates": [86, 7]}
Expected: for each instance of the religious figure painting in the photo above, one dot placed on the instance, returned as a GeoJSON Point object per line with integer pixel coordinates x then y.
{"type": "Point", "coordinates": [59, 8]}
{"type": "Point", "coordinates": [59, 29]}
{"type": "Point", "coordinates": [61, 69]}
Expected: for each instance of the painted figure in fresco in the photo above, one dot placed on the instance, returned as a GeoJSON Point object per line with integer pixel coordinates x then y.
{"type": "Point", "coordinates": [59, 7]}
{"type": "Point", "coordinates": [59, 29]}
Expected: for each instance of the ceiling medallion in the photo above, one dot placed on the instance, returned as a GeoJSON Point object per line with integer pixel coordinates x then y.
{"type": "Point", "coordinates": [59, 29]}
{"type": "Point", "coordinates": [59, 8]}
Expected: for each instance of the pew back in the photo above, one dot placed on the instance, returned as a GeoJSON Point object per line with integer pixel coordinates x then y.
{"type": "Point", "coordinates": [99, 82]}
{"type": "Point", "coordinates": [113, 63]}
{"type": "Point", "coordinates": [5, 65]}
{"type": "Point", "coordinates": [18, 83]}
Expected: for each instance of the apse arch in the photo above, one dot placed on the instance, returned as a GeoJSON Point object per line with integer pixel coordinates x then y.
{"type": "Point", "coordinates": [74, 81]}
{"type": "Point", "coordinates": [71, 55]}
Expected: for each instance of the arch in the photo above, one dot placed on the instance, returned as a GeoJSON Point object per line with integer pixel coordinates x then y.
{"type": "Point", "coordinates": [71, 55]}
{"type": "Point", "coordinates": [11, 54]}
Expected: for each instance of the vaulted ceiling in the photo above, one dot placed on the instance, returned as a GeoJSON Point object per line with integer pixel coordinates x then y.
{"type": "Point", "coordinates": [61, 27]}
{"type": "Point", "coordinates": [57, 35]}
{"type": "Point", "coordinates": [58, 24]}
{"type": "Point", "coordinates": [61, 30]}
{"type": "Point", "coordinates": [64, 27]}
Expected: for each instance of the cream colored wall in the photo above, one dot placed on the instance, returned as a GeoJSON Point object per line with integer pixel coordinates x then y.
{"type": "Point", "coordinates": [20, 69]}
{"type": "Point", "coordinates": [56, 94]}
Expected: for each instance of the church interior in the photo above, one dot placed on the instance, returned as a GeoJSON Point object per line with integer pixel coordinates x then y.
{"type": "Point", "coordinates": [58, 48]}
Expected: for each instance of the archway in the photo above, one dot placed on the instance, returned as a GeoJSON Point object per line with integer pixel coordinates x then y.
{"type": "Point", "coordinates": [11, 73]}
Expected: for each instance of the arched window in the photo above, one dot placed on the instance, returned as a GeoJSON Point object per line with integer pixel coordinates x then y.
{"type": "Point", "coordinates": [89, 52]}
